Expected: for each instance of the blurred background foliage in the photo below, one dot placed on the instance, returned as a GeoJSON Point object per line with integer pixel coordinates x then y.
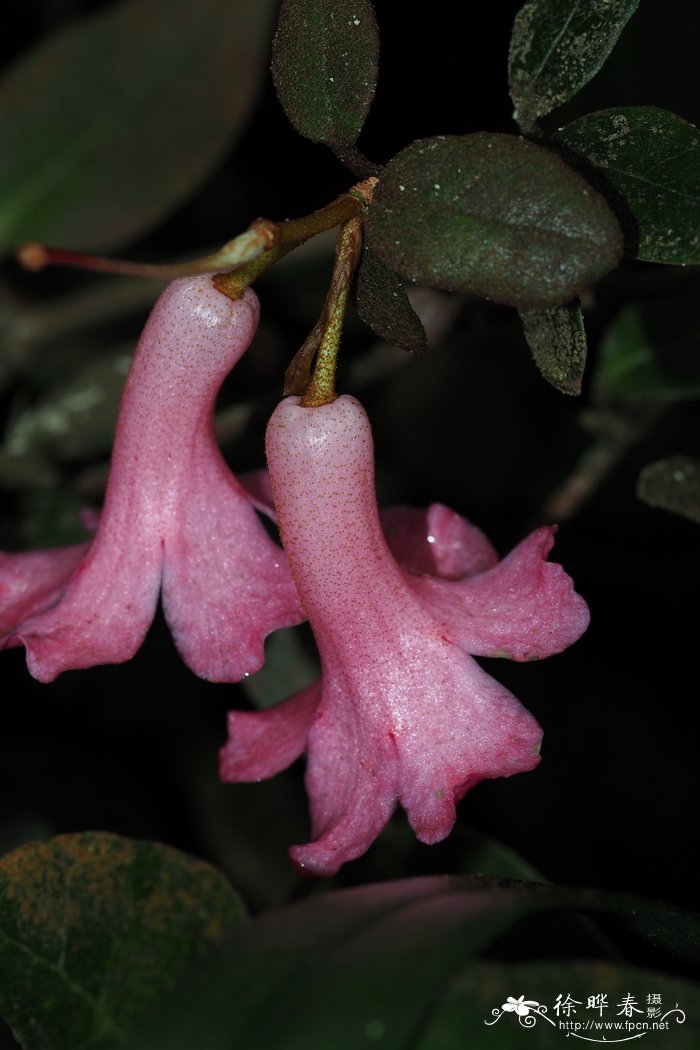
{"type": "Point", "coordinates": [133, 749]}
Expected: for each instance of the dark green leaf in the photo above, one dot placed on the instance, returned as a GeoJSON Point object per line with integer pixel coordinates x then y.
{"type": "Point", "coordinates": [344, 969]}
{"type": "Point", "coordinates": [648, 162]}
{"type": "Point", "coordinates": [556, 47]}
{"type": "Point", "coordinates": [557, 339]}
{"type": "Point", "coordinates": [383, 304]}
{"type": "Point", "coordinates": [650, 352]}
{"type": "Point", "coordinates": [476, 999]}
{"type": "Point", "coordinates": [94, 928]}
{"type": "Point", "coordinates": [672, 484]}
{"type": "Point", "coordinates": [324, 65]}
{"type": "Point", "coordinates": [110, 124]}
{"type": "Point", "coordinates": [493, 215]}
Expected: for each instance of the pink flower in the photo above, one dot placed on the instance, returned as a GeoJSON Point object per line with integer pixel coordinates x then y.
{"type": "Point", "coordinates": [175, 520]}
{"type": "Point", "coordinates": [402, 712]}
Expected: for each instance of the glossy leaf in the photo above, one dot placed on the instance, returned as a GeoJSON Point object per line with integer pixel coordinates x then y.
{"type": "Point", "coordinates": [557, 339]}
{"type": "Point", "coordinates": [650, 353]}
{"type": "Point", "coordinates": [343, 969]}
{"type": "Point", "coordinates": [383, 304]}
{"type": "Point", "coordinates": [672, 484]}
{"type": "Point", "coordinates": [649, 161]}
{"type": "Point", "coordinates": [493, 215]}
{"type": "Point", "coordinates": [111, 123]}
{"type": "Point", "coordinates": [324, 65]}
{"type": "Point", "coordinates": [556, 47]}
{"type": "Point", "coordinates": [94, 928]}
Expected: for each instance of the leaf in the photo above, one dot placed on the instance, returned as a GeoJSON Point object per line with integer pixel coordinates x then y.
{"type": "Point", "coordinates": [343, 969]}
{"type": "Point", "coordinates": [76, 420]}
{"type": "Point", "coordinates": [492, 215]}
{"type": "Point", "coordinates": [650, 352]}
{"type": "Point", "coordinates": [108, 125]}
{"type": "Point", "coordinates": [480, 854]}
{"type": "Point", "coordinates": [648, 160]}
{"type": "Point", "coordinates": [382, 303]}
{"type": "Point", "coordinates": [477, 995]}
{"type": "Point", "coordinates": [324, 65]}
{"type": "Point", "coordinates": [672, 484]}
{"type": "Point", "coordinates": [94, 928]}
{"type": "Point", "coordinates": [556, 47]}
{"type": "Point", "coordinates": [557, 339]}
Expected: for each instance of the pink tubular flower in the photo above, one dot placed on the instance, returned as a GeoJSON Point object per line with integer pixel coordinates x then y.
{"type": "Point", "coordinates": [174, 520]}
{"type": "Point", "coordinates": [402, 712]}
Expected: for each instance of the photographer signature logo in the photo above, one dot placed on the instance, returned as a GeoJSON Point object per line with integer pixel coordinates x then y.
{"type": "Point", "coordinates": [598, 1021]}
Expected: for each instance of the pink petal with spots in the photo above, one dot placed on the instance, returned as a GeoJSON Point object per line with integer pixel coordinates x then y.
{"type": "Point", "coordinates": [525, 608]}
{"type": "Point", "coordinates": [263, 743]}
{"type": "Point", "coordinates": [31, 582]}
{"type": "Point", "coordinates": [436, 541]}
{"type": "Point", "coordinates": [173, 513]}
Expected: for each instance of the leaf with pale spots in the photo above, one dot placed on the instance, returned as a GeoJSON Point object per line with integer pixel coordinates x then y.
{"type": "Point", "coordinates": [493, 215]}
{"type": "Point", "coordinates": [556, 47]}
{"type": "Point", "coordinates": [647, 162]}
{"type": "Point", "coordinates": [94, 928]}
{"type": "Point", "coordinates": [324, 65]}
{"type": "Point", "coordinates": [557, 339]}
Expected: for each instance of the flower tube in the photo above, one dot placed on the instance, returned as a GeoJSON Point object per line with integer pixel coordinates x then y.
{"type": "Point", "coordinates": [402, 713]}
{"type": "Point", "coordinates": [175, 520]}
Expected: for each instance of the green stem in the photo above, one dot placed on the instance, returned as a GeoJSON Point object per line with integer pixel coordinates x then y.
{"type": "Point", "coordinates": [321, 387]}
{"type": "Point", "coordinates": [284, 236]}
{"type": "Point", "coordinates": [235, 282]}
{"type": "Point", "coordinates": [242, 259]}
{"type": "Point", "coordinates": [245, 248]}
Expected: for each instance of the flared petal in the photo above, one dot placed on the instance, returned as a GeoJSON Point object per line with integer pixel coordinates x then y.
{"type": "Point", "coordinates": [351, 780]}
{"type": "Point", "coordinates": [525, 608]}
{"type": "Point", "coordinates": [31, 582]}
{"type": "Point", "coordinates": [263, 743]}
{"type": "Point", "coordinates": [102, 614]}
{"type": "Point", "coordinates": [436, 541]}
{"type": "Point", "coordinates": [459, 728]}
{"type": "Point", "coordinates": [226, 585]}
